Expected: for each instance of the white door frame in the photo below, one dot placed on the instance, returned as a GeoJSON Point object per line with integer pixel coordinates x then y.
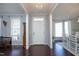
{"type": "Point", "coordinates": [38, 30]}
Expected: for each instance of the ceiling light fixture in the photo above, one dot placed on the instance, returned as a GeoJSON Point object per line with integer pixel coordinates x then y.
{"type": "Point", "coordinates": [39, 6]}
{"type": "Point", "coordinates": [78, 20]}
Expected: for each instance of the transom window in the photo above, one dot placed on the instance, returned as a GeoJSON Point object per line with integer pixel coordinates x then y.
{"type": "Point", "coordinates": [38, 19]}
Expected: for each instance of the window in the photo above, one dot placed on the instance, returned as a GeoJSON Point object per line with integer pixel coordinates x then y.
{"type": "Point", "coordinates": [15, 28]}
{"type": "Point", "coordinates": [58, 29]}
{"type": "Point", "coordinates": [38, 19]}
{"type": "Point", "coordinates": [66, 28]}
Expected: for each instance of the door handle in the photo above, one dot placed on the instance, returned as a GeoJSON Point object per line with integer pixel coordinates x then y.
{"type": "Point", "coordinates": [33, 33]}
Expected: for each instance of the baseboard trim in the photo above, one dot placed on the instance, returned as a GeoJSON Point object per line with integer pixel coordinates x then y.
{"type": "Point", "coordinates": [39, 45]}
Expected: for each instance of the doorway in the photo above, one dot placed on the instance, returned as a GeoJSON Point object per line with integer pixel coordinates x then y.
{"type": "Point", "coordinates": [38, 30]}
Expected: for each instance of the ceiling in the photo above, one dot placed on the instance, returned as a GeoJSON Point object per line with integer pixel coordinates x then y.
{"type": "Point", "coordinates": [22, 8]}
{"type": "Point", "coordinates": [65, 11]}
{"type": "Point", "coordinates": [11, 8]}
{"type": "Point", "coordinates": [62, 11]}
{"type": "Point", "coordinates": [38, 7]}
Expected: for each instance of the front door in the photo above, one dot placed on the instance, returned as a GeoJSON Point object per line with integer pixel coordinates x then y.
{"type": "Point", "coordinates": [38, 31]}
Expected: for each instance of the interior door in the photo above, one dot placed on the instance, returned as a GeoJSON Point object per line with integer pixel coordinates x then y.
{"type": "Point", "coordinates": [38, 29]}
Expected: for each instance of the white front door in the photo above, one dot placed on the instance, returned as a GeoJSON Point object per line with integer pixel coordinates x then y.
{"type": "Point", "coordinates": [38, 31]}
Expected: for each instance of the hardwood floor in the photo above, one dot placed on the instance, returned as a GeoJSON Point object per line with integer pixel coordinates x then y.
{"type": "Point", "coordinates": [13, 51]}
{"type": "Point", "coordinates": [39, 50]}
{"type": "Point", "coordinates": [59, 50]}
{"type": "Point", "coordinates": [36, 50]}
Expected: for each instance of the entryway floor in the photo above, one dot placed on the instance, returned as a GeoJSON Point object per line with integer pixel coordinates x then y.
{"type": "Point", "coordinates": [36, 50]}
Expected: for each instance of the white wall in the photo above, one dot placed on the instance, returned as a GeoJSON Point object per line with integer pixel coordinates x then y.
{"type": "Point", "coordinates": [74, 26]}
{"type": "Point", "coordinates": [0, 26]}
{"type": "Point", "coordinates": [47, 27]}
{"type": "Point", "coordinates": [5, 30]}
{"type": "Point", "coordinates": [27, 31]}
{"type": "Point", "coordinates": [52, 30]}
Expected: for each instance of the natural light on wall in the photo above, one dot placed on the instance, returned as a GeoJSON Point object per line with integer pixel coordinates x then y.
{"type": "Point", "coordinates": [66, 28]}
